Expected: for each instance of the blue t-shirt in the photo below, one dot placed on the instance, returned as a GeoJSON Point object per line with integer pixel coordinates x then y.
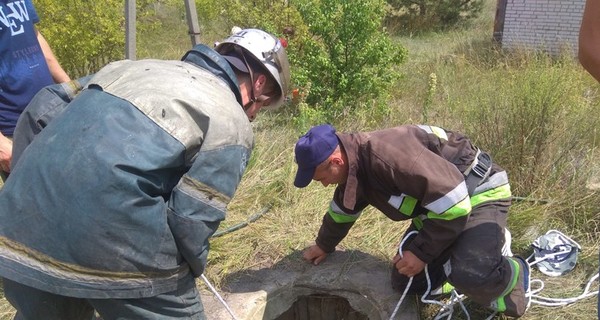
{"type": "Point", "coordinates": [23, 68]}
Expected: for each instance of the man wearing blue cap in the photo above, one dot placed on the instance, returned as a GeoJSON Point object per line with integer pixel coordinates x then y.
{"type": "Point", "coordinates": [456, 197]}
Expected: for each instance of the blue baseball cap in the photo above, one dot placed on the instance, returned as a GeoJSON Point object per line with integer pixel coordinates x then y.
{"type": "Point", "coordinates": [311, 150]}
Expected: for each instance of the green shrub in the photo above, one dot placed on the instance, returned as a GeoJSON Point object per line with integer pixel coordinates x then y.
{"type": "Point", "coordinates": [85, 35]}
{"type": "Point", "coordinates": [349, 58]}
{"type": "Point", "coordinates": [341, 56]}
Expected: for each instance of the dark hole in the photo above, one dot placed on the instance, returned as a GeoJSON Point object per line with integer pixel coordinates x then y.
{"type": "Point", "coordinates": [321, 307]}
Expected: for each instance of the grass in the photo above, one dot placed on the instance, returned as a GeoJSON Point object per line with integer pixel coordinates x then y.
{"type": "Point", "coordinates": [536, 114]}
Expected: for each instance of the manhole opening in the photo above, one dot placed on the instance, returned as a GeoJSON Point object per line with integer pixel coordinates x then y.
{"type": "Point", "coordinates": [321, 307]}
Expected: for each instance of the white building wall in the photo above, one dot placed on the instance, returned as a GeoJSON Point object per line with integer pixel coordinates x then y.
{"type": "Point", "coordinates": [548, 25]}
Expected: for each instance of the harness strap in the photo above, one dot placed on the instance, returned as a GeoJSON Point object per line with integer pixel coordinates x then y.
{"type": "Point", "coordinates": [478, 171]}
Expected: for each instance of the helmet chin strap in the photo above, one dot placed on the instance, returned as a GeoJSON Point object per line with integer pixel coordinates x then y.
{"type": "Point", "coordinates": [252, 96]}
{"type": "Point", "coordinates": [250, 103]}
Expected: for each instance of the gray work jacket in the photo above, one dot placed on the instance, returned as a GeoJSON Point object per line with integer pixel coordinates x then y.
{"type": "Point", "coordinates": [119, 193]}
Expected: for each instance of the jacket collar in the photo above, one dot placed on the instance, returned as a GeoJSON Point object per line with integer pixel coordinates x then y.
{"type": "Point", "coordinates": [206, 58]}
{"type": "Point", "coordinates": [350, 146]}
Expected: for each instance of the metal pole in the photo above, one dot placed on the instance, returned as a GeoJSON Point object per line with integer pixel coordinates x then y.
{"type": "Point", "coordinates": [130, 29]}
{"type": "Point", "coordinates": [499, 21]}
{"type": "Point", "coordinates": [192, 19]}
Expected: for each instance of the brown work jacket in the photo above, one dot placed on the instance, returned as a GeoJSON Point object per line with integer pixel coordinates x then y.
{"type": "Point", "coordinates": [409, 172]}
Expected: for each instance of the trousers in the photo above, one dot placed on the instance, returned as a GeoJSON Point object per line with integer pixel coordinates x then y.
{"type": "Point", "coordinates": [34, 304]}
{"type": "Point", "coordinates": [473, 264]}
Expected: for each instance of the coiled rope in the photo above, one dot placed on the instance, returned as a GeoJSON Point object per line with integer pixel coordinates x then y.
{"type": "Point", "coordinates": [555, 302]}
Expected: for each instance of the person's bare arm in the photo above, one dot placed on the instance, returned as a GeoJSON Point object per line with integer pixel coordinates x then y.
{"type": "Point", "coordinates": [57, 72]}
{"type": "Point", "coordinates": [5, 153]}
{"type": "Point", "coordinates": [589, 38]}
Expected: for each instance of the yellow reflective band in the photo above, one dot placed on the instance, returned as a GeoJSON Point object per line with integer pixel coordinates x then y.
{"type": "Point", "coordinates": [341, 218]}
{"type": "Point", "coordinates": [418, 223]}
{"type": "Point", "coordinates": [500, 305]}
{"type": "Point", "coordinates": [447, 287]}
{"type": "Point", "coordinates": [408, 205]}
{"type": "Point", "coordinates": [33, 259]}
{"type": "Point", "coordinates": [502, 192]}
{"type": "Point", "coordinates": [516, 270]}
{"type": "Point", "coordinates": [439, 132]}
{"type": "Point", "coordinates": [459, 210]}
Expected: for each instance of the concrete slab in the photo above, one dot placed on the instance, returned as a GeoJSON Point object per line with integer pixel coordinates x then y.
{"type": "Point", "coordinates": [266, 293]}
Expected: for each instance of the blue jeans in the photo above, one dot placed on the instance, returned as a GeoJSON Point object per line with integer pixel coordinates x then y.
{"type": "Point", "coordinates": [32, 304]}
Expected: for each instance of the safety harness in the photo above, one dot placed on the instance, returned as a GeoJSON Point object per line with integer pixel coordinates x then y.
{"type": "Point", "coordinates": [478, 171]}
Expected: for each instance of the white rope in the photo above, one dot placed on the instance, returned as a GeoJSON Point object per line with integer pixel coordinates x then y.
{"type": "Point", "coordinates": [556, 302]}
{"type": "Point", "coordinates": [214, 291]}
{"type": "Point", "coordinates": [409, 280]}
{"type": "Point", "coordinates": [446, 308]}
{"type": "Point", "coordinates": [401, 298]}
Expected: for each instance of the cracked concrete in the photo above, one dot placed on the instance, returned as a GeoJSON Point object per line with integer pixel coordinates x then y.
{"type": "Point", "coordinates": [361, 279]}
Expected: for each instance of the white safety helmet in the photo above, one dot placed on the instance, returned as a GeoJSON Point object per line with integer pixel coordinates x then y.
{"type": "Point", "coordinates": [555, 254]}
{"type": "Point", "coordinates": [264, 48]}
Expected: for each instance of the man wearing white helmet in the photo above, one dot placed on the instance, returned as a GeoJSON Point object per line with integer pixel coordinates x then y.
{"type": "Point", "coordinates": [245, 51]}
{"type": "Point", "coordinates": [115, 192]}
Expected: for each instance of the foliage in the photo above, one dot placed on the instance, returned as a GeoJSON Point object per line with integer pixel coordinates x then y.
{"type": "Point", "coordinates": [308, 117]}
{"type": "Point", "coordinates": [413, 16]}
{"type": "Point", "coordinates": [275, 16]}
{"type": "Point", "coordinates": [333, 66]}
{"type": "Point", "coordinates": [348, 58]}
{"type": "Point", "coordinates": [340, 55]}
{"type": "Point", "coordinates": [431, 88]}
{"type": "Point", "coordinates": [85, 35]}
{"type": "Point", "coordinates": [172, 14]}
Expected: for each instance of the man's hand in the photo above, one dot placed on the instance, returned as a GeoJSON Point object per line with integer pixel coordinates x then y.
{"type": "Point", "coordinates": [409, 265]}
{"type": "Point", "coordinates": [5, 153]}
{"type": "Point", "coordinates": [314, 254]}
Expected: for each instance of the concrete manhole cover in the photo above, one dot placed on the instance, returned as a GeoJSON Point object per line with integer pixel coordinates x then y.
{"type": "Point", "coordinates": [348, 285]}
